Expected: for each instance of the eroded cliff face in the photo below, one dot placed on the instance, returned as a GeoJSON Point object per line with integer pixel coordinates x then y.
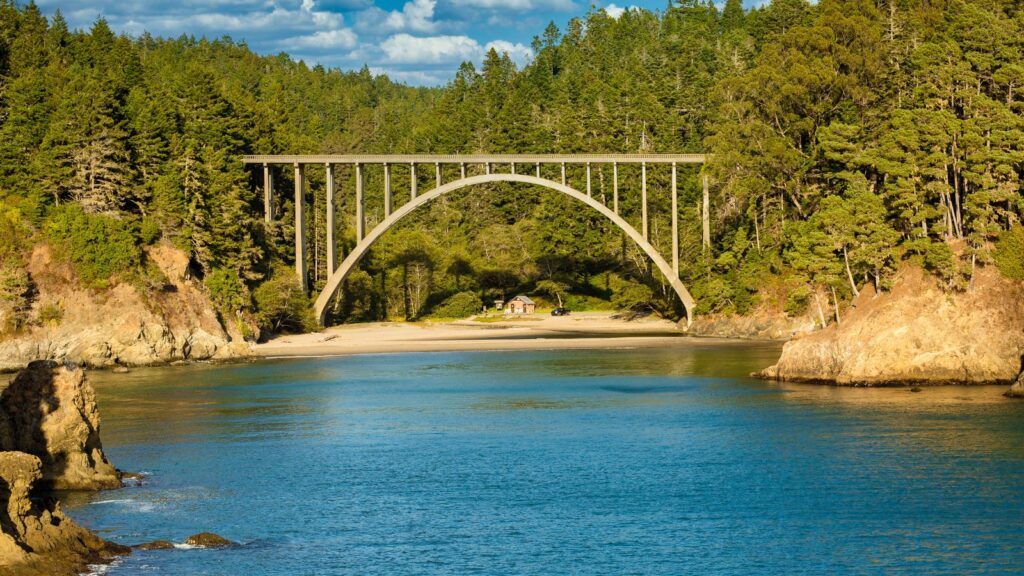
{"type": "Point", "coordinates": [37, 539]}
{"type": "Point", "coordinates": [916, 333]}
{"type": "Point", "coordinates": [49, 411]}
{"type": "Point", "coordinates": [121, 325]}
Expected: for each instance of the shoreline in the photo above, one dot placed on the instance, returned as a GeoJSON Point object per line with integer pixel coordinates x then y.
{"type": "Point", "coordinates": [585, 330]}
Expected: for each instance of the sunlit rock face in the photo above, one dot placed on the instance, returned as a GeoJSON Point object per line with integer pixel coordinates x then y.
{"type": "Point", "coordinates": [37, 539]}
{"type": "Point", "coordinates": [916, 333]}
{"type": "Point", "coordinates": [49, 411]}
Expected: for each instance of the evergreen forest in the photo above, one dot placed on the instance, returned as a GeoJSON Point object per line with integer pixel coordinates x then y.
{"type": "Point", "coordinates": [847, 138]}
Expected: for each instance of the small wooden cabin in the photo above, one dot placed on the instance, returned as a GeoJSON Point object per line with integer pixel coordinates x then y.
{"type": "Point", "coordinates": [521, 304]}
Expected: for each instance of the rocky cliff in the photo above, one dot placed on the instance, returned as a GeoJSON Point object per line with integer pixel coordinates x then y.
{"type": "Point", "coordinates": [36, 539]}
{"type": "Point", "coordinates": [164, 321]}
{"type": "Point", "coordinates": [49, 411]}
{"type": "Point", "coordinates": [916, 333]}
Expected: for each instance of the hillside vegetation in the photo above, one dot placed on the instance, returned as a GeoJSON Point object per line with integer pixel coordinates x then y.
{"type": "Point", "coordinates": [846, 138]}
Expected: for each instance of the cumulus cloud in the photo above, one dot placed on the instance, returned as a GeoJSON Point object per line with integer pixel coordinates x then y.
{"type": "Point", "coordinates": [340, 38]}
{"type": "Point", "coordinates": [407, 49]}
{"type": "Point", "coordinates": [415, 41]}
{"type": "Point", "coordinates": [616, 11]}
{"type": "Point", "coordinates": [519, 53]}
{"type": "Point", "coordinates": [415, 16]}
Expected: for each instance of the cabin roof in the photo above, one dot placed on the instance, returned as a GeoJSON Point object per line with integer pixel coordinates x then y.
{"type": "Point", "coordinates": [524, 298]}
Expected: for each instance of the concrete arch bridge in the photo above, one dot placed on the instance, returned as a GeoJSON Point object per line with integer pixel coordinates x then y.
{"type": "Point", "coordinates": [522, 168]}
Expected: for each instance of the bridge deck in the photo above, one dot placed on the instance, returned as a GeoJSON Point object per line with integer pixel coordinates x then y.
{"type": "Point", "coordinates": [473, 158]}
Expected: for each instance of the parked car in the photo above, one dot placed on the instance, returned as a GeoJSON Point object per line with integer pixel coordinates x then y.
{"type": "Point", "coordinates": [560, 311]}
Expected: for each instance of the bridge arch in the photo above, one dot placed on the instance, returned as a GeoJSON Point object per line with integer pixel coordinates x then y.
{"type": "Point", "coordinates": [335, 280]}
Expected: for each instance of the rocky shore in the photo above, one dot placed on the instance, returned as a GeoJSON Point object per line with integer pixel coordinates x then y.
{"type": "Point", "coordinates": [916, 333]}
{"type": "Point", "coordinates": [127, 324]}
{"type": "Point", "coordinates": [49, 439]}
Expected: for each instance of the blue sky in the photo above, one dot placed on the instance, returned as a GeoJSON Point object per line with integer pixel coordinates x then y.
{"type": "Point", "coordinates": [419, 42]}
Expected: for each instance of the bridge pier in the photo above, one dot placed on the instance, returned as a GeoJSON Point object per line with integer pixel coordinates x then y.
{"type": "Point", "coordinates": [675, 222]}
{"type": "Point", "coordinates": [588, 180]}
{"type": "Point", "coordinates": [615, 187]}
{"type": "Point", "coordinates": [300, 226]}
{"type": "Point", "coordinates": [268, 193]}
{"type": "Point", "coordinates": [332, 258]}
{"type": "Point", "coordinates": [643, 200]}
{"type": "Point", "coordinates": [387, 190]}
{"type": "Point", "coordinates": [360, 218]}
{"type": "Point", "coordinates": [412, 180]}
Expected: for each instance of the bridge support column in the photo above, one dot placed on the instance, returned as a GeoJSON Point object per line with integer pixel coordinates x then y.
{"type": "Point", "coordinates": [512, 166]}
{"type": "Point", "coordinates": [412, 180]}
{"type": "Point", "coordinates": [332, 257]}
{"type": "Point", "coordinates": [487, 167]}
{"type": "Point", "coordinates": [387, 190]}
{"type": "Point", "coordinates": [588, 180]}
{"type": "Point", "coordinates": [268, 193]}
{"type": "Point", "coordinates": [538, 169]}
{"type": "Point", "coordinates": [675, 222]}
{"type": "Point", "coordinates": [437, 173]}
{"type": "Point", "coordinates": [462, 169]}
{"type": "Point", "coordinates": [705, 216]}
{"type": "Point", "coordinates": [563, 173]}
{"type": "Point", "coordinates": [300, 226]}
{"type": "Point", "coordinates": [615, 187]}
{"type": "Point", "coordinates": [360, 217]}
{"type": "Point", "coordinates": [643, 199]}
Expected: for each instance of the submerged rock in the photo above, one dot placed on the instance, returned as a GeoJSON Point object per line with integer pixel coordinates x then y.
{"type": "Point", "coordinates": [916, 334]}
{"type": "Point", "coordinates": [49, 411]}
{"type": "Point", "coordinates": [37, 539]}
{"type": "Point", "coordinates": [208, 540]}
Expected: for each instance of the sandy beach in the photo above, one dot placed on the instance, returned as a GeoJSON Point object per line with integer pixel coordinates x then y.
{"type": "Point", "coordinates": [534, 332]}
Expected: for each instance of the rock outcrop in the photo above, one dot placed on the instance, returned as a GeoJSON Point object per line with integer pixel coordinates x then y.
{"type": "Point", "coordinates": [1017, 390]}
{"type": "Point", "coordinates": [36, 539]}
{"type": "Point", "coordinates": [49, 411]}
{"type": "Point", "coordinates": [125, 325]}
{"type": "Point", "coordinates": [916, 334]}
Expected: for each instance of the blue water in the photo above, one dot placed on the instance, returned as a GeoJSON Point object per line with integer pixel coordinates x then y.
{"type": "Point", "coordinates": [650, 461]}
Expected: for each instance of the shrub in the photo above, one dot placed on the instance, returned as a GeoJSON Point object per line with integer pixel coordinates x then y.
{"type": "Point", "coordinates": [459, 305]}
{"type": "Point", "coordinates": [630, 295]}
{"type": "Point", "coordinates": [51, 313]}
{"type": "Point", "coordinates": [97, 246]}
{"type": "Point", "coordinates": [148, 231]}
{"type": "Point", "coordinates": [1009, 253]}
{"type": "Point", "coordinates": [227, 290]}
{"type": "Point", "coordinates": [797, 300]}
{"type": "Point", "coordinates": [281, 305]}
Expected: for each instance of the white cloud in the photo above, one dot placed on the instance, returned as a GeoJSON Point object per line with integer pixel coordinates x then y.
{"type": "Point", "coordinates": [615, 11]}
{"type": "Point", "coordinates": [519, 53]}
{"type": "Point", "coordinates": [340, 38]}
{"type": "Point", "coordinates": [415, 16]}
{"type": "Point", "coordinates": [407, 49]}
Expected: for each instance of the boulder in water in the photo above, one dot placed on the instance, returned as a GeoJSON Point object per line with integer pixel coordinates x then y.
{"type": "Point", "coordinates": [208, 540]}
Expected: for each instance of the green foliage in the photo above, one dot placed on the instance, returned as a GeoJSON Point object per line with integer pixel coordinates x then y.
{"type": "Point", "coordinates": [97, 246]}
{"type": "Point", "coordinates": [843, 136]}
{"type": "Point", "coordinates": [1009, 253]}
{"type": "Point", "coordinates": [227, 290]}
{"type": "Point", "coordinates": [797, 301]}
{"type": "Point", "coordinates": [51, 314]}
{"type": "Point", "coordinates": [281, 306]}
{"type": "Point", "coordinates": [459, 305]}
